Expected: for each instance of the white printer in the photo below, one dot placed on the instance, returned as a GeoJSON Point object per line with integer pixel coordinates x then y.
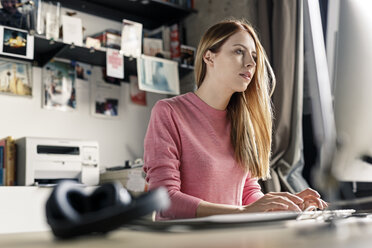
{"type": "Point", "coordinates": [47, 160]}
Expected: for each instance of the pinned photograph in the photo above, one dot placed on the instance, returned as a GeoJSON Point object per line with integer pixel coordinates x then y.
{"type": "Point", "coordinates": [158, 75]}
{"type": "Point", "coordinates": [137, 96]}
{"type": "Point", "coordinates": [104, 96]}
{"type": "Point", "coordinates": [83, 71]}
{"type": "Point", "coordinates": [187, 56]}
{"type": "Point", "coordinates": [15, 77]}
{"type": "Point", "coordinates": [131, 39]}
{"type": "Point", "coordinates": [59, 91]}
{"type": "Point", "coordinates": [16, 43]}
{"type": "Point", "coordinates": [153, 47]}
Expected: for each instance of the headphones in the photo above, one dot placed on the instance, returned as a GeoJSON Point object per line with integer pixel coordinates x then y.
{"type": "Point", "coordinates": [72, 212]}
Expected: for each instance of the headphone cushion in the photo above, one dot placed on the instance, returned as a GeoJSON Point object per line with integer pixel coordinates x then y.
{"type": "Point", "coordinates": [72, 212]}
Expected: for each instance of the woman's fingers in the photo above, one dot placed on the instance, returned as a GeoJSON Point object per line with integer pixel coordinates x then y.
{"type": "Point", "coordinates": [277, 198]}
{"type": "Point", "coordinates": [319, 203]}
{"type": "Point", "coordinates": [297, 200]}
{"type": "Point", "coordinates": [308, 192]}
{"type": "Point", "coordinates": [275, 206]}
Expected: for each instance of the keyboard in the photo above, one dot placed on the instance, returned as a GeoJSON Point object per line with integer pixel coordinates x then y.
{"type": "Point", "coordinates": [326, 214]}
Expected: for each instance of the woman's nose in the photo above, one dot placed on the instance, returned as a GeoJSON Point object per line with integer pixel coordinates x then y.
{"type": "Point", "coordinates": [249, 61]}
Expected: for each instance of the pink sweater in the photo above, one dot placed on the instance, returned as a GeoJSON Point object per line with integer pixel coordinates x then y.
{"type": "Point", "coordinates": [188, 150]}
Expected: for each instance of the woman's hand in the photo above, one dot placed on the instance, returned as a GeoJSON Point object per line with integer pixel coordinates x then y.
{"type": "Point", "coordinates": [311, 199]}
{"type": "Point", "coordinates": [275, 201]}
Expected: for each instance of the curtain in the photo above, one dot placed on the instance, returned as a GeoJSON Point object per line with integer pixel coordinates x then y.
{"type": "Point", "coordinates": [280, 27]}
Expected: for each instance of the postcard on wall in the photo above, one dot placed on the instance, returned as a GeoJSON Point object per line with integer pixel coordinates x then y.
{"type": "Point", "coordinates": [131, 39]}
{"type": "Point", "coordinates": [72, 30]}
{"type": "Point", "coordinates": [158, 75]}
{"type": "Point", "coordinates": [114, 63]}
{"type": "Point", "coordinates": [59, 90]}
{"type": "Point", "coordinates": [83, 71]}
{"type": "Point", "coordinates": [104, 97]}
{"type": "Point", "coordinates": [137, 96]}
{"type": "Point", "coordinates": [187, 56]}
{"type": "Point", "coordinates": [16, 43]}
{"type": "Point", "coordinates": [52, 21]}
{"type": "Point", "coordinates": [15, 77]}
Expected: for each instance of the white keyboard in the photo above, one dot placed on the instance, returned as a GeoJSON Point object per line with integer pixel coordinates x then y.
{"type": "Point", "coordinates": [326, 214]}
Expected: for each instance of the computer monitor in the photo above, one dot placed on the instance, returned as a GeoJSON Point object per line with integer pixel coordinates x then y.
{"type": "Point", "coordinates": [352, 89]}
{"type": "Point", "coordinates": [342, 118]}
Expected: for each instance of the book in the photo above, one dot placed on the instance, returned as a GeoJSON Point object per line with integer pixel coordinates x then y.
{"type": "Point", "coordinates": [9, 154]}
{"type": "Point", "coordinates": [175, 45]}
{"type": "Point", "coordinates": [10, 162]}
{"type": "Point", "coordinates": [1, 165]}
{"type": "Point", "coordinates": [3, 145]}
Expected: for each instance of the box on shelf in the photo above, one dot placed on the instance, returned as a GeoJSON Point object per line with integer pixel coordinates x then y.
{"type": "Point", "coordinates": [109, 38]}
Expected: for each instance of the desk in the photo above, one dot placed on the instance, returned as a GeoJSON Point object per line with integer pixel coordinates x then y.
{"type": "Point", "coordinates": [350, 232]}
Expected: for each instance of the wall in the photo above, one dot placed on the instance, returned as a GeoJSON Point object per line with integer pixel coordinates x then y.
{"type": "Point", "coordinates": [209, 13]}
{"type": "Point", "coordinates": [118, 139]}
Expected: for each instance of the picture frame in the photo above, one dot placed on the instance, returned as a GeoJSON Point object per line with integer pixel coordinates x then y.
{"type": "Point", "coordinates": [15, 77]}
{"type": "Point", "coordinates": [158, 75]}
{"type": "Point", "coordinates": [59, 86]}
{"type": "Point", "coordinates": [16, 42]}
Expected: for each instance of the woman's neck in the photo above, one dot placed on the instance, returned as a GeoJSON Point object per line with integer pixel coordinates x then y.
{"type": "Point", "coordinates": [216, 97]}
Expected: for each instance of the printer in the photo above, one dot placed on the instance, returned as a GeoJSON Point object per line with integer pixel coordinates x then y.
{"type": "Point", "coordinates": [48, 160]}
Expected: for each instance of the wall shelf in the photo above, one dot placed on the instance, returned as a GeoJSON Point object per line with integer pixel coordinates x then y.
{"type": "Point", "coordinates": [151, 13]}
{"type": "Point", "coordinates": [46, 49]}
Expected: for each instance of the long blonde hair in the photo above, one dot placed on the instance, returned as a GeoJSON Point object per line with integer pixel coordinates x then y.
{"type": "Point", "coordinates": [250, 111]}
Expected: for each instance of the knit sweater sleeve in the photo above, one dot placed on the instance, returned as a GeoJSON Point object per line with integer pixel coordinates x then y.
{"type": "Point", "coordinates": [162, 152]}
{"type": "Point", "coordinates": [252, 191]}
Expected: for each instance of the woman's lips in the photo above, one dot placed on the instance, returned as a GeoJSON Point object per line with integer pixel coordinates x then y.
{"type": "Point", "coordinates": [246, 75]}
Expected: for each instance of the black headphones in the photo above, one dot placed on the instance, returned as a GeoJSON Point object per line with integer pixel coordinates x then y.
{"type": "Point", "coordinates": [71, 212]}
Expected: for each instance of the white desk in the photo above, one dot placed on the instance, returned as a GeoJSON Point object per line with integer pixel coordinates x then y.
{"type": "Point", "coordinates": [22, 213]}
{"type": "Point", "coordinates": [348, 233]}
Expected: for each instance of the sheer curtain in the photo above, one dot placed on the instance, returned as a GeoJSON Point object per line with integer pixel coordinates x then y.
{"type": "Point", "coordinates": [280, 26]}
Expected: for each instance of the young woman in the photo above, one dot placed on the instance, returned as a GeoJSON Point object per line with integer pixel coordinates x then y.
{"type": "Point", "coordinates": [208, 148]}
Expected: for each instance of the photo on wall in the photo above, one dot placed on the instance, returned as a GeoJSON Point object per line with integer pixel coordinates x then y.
{"type": "Point", "coordinates": [16, 43]}
{"type": "Point", "coordinates": [131, 38]}
{"type": "Point", "coordinates": [105, 97]}
{"type": "Point", "coordinates": [158, 75]}
{"type": "Point", "coordinates": [83, 71]}
{"type": "Point", "coordinates": [137, 96]}
{"type": "Point", "coordinates": [15, 77]}
{"type": "Point", "coordinates": [59, 91]}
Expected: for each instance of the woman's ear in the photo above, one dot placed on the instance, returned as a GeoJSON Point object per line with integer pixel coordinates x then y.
{"type": "Point", "coordinates": [208, 57]}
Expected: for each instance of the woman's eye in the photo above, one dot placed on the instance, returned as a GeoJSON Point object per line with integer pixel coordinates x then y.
{"type": "Point", "coordinates": [239, 51]}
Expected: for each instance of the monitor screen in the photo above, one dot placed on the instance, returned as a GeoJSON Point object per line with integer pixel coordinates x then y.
{"type": "Point", "coordinates": [352, 88]}
{"type": "Point", "coordinates": [342, 118]}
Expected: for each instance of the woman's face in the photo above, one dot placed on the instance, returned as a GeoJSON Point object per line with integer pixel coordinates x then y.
{"type": "Point", "coordinates": [234, 65]}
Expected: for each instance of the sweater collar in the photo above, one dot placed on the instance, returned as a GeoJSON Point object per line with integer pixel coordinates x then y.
{"type": "Point", "coordinates": [205, 108]}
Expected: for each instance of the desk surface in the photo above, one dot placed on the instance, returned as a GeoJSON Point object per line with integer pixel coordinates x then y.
{"type": "Point", "coordinates": [345, 233]}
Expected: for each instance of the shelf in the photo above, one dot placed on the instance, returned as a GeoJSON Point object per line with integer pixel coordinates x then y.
{"type": "Point", "coordinates": [152, 15]}
{"type": "Point", "coordinates": [45, 50]}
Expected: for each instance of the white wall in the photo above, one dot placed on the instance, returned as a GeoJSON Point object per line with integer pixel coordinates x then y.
{"type": "Point", "coordinates": [119, 140]}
